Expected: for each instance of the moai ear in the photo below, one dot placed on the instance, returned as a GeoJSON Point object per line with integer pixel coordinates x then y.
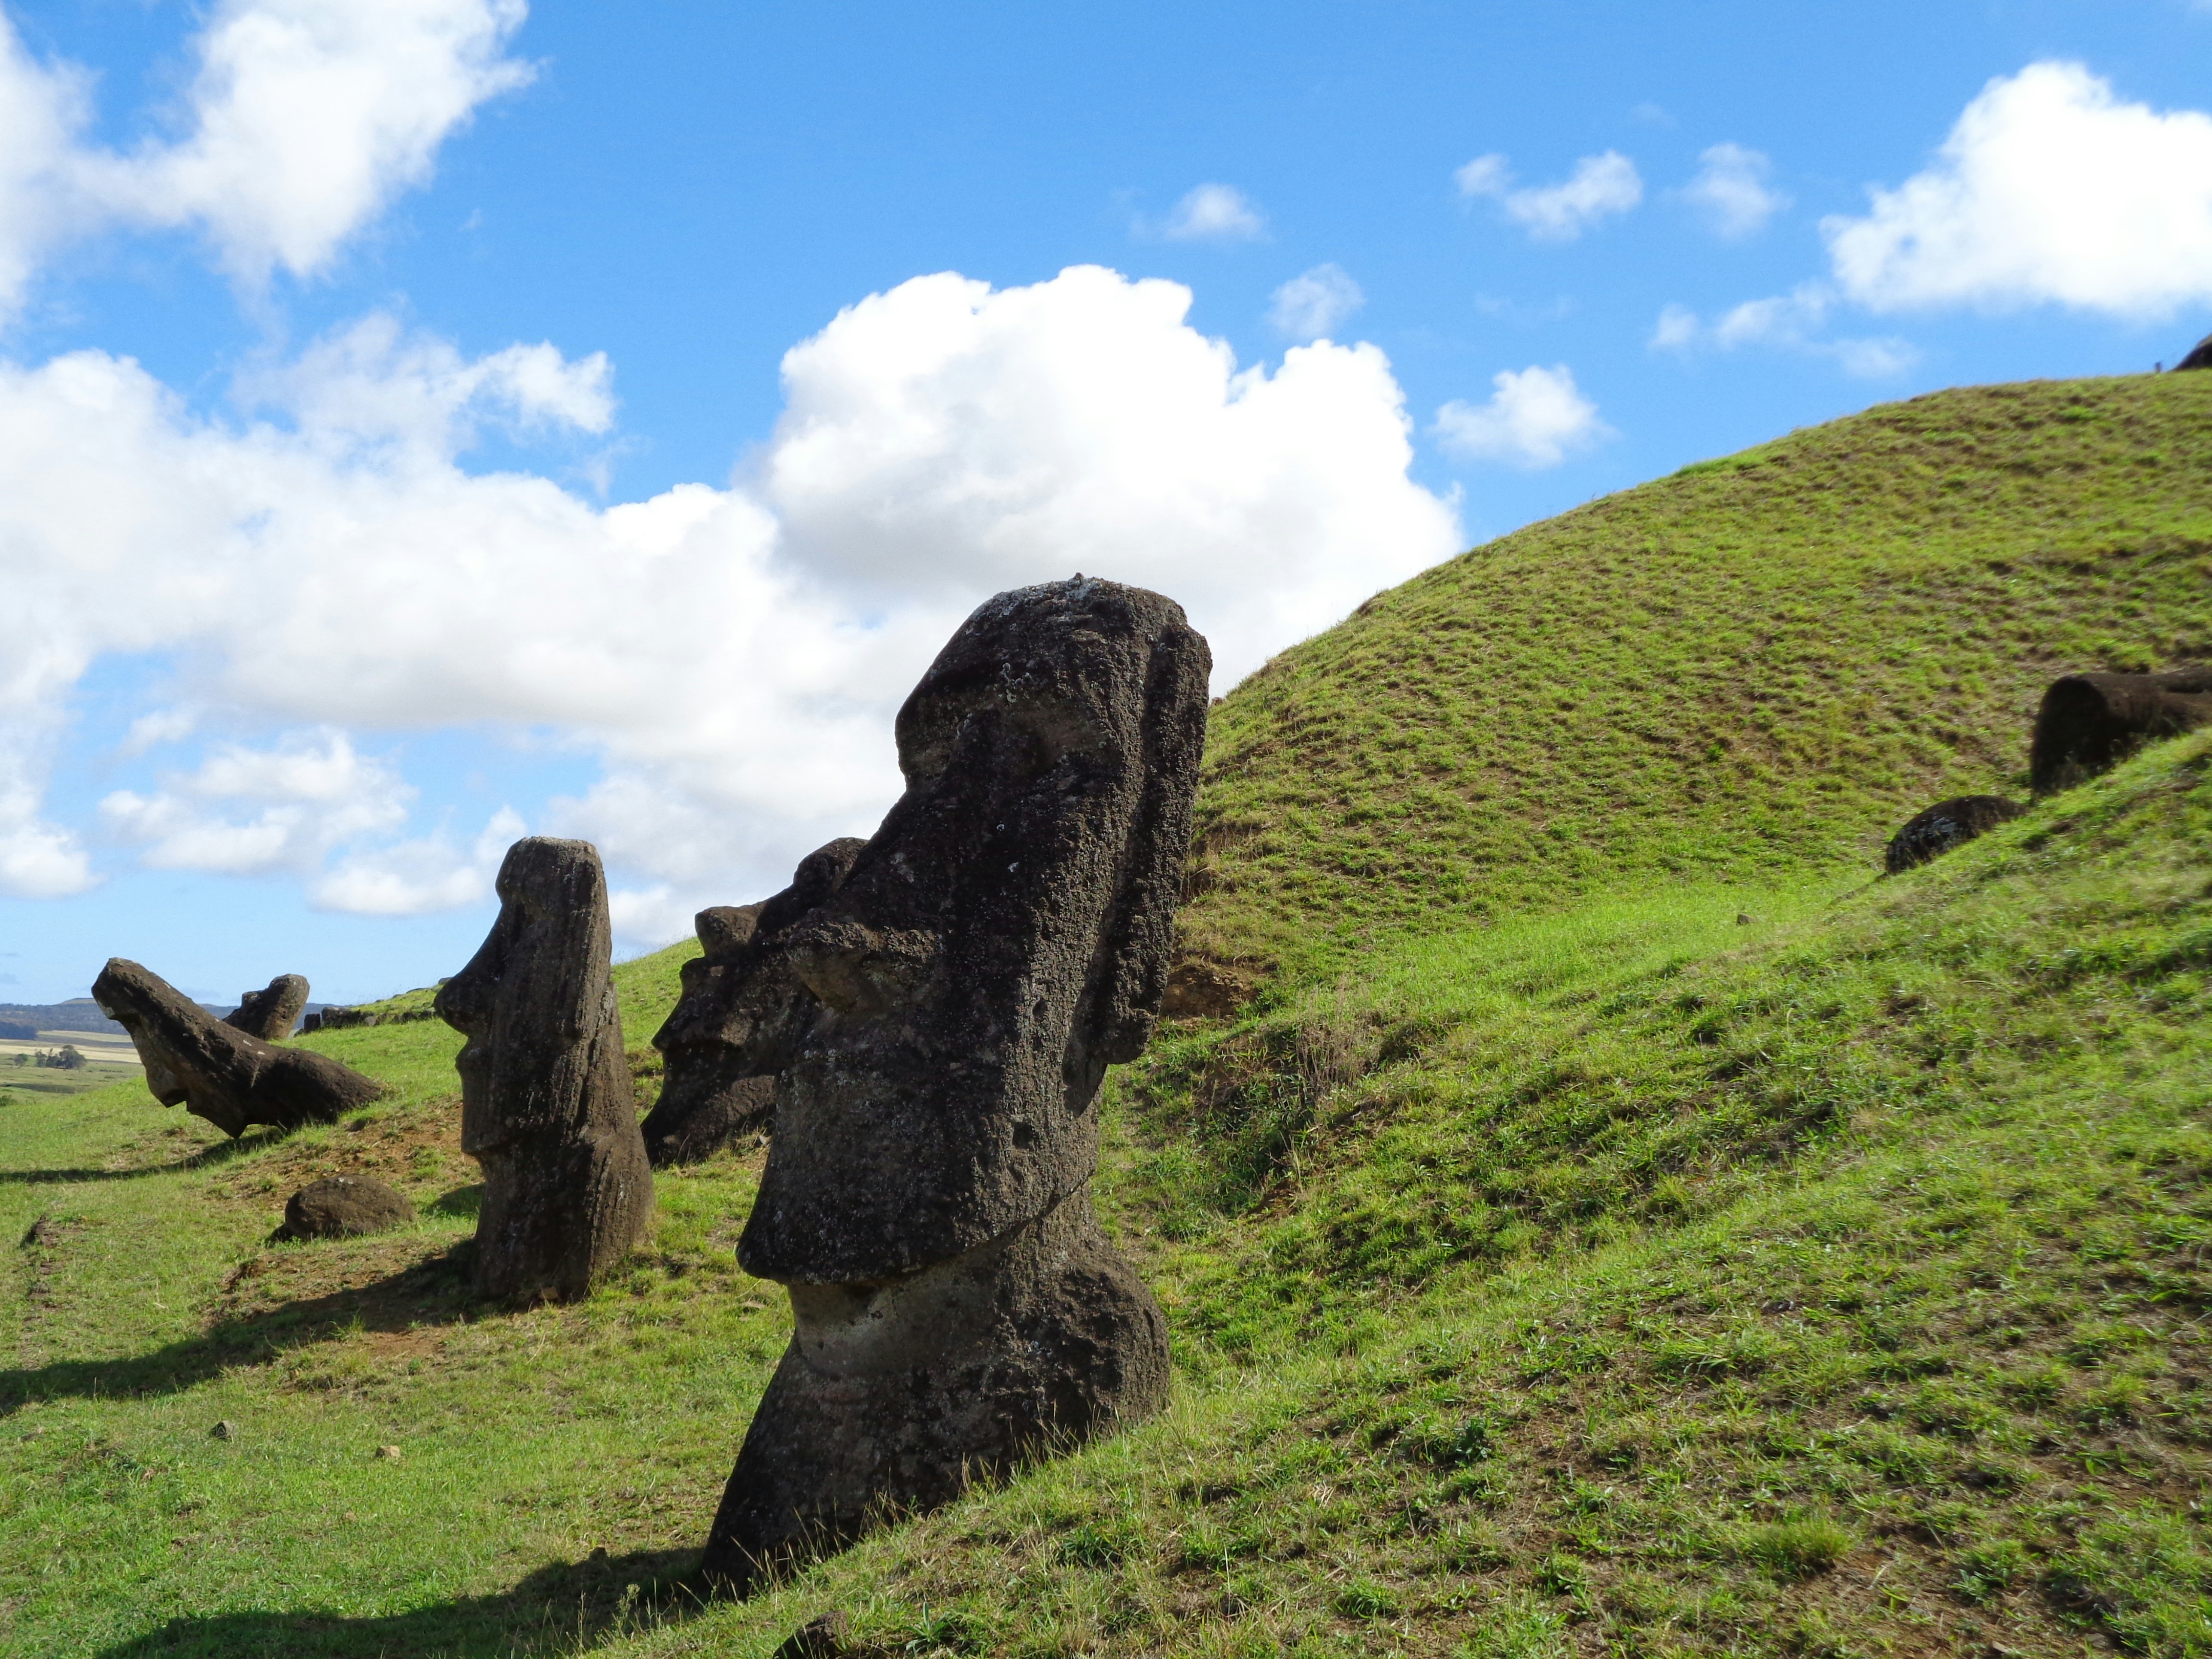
{"type": "Point", "coordinates": [1140, 929]}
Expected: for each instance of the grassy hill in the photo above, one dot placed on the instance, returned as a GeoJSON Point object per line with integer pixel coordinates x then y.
{"type": "Point", "coordinates": [1762, 663]}
{"type": "Point", "coordinates": [1691, 1245]}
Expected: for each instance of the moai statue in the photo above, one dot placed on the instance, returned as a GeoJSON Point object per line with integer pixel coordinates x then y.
{"type": "Point", "coordinates": [270, 1012]}
{"type": "Point", "coordinates": [1934, 830]}
{"type": "Point", "coordinates": [2087, 724]}
{"type": "Point", "coordinates": [215, 1069]}
{"type": "Point", "coordinates": [729, 1032]}
{"type": "Point", "coordinates": [546, 1104]}
{"type": "Point", "coordinates": [1000, 941]}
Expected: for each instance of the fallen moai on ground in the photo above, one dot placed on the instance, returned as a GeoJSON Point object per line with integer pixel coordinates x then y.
{"type": "Point", "coordinates": [1002, 939]}
{"type": "Point", "coordinates": [730, 1031]}
{"type": "Point", "coordinates": [1934, 830]}
{"type": "Point", "coordinates": [270, 1012]}
{"type": "Point", "coordinates": [2090, 723]}
{"type": "Point", "coordinates": [217, 1071]}
{"type": "Point", "coordinates": [547, 1106]}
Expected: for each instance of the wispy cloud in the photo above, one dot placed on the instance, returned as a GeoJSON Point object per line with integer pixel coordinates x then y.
{"type": "Point", "coordinates": [1795, 321]}
{"type": "Point", "coordinates": [1314, 302]}
{"type": "Point", "coordinates": [1732, 193]}
{"type": "Point", "coordinates": [1600, 187]}
{"type": "Point", "coordinates": [1534, 418]}
{"type": "Point", "coordinates": [1211, 213]}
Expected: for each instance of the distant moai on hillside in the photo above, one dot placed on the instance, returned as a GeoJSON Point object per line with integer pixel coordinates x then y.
{"type": "Point", "coordinates": [230, 1077]}
{"type": "Point", "coordinates": [1934, 830]}
{"type": "Point", "coordinates": [547, 1106]}
{"type": "Point", "coordinates": [999, 942]}
{"type": "Point", "coordinates": [2090, 723]}
{"type": "Point", "coordinates": [730, 1031]}
{"type": "Point", "coordinates": [270, 1012]}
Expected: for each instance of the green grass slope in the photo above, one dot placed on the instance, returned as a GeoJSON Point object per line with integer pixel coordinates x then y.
{"type": "Point", "coordinates": [1760, 664]}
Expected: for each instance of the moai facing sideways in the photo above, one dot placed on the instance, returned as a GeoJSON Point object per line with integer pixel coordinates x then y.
{"type": "Point", "coordinates": [1002, 939]}
{"type": "Point", "coordinates": [215, 1069]}
{"type": "Point", "coordinates": [730, 1031]}
{"type": "Point", "coordinates": [546, 1103]}
{"type": "Point", "coordinates": [2087, 724]}
{"type": "Point", "coordinates": [272, 1013]}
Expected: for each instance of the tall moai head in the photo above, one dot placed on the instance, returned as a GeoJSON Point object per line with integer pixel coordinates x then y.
{"type": "Point", "coordinates": [1000, 941]}
{"type": "Point", "coordinates": [546, 1101]}
{"type": "Point", "coordinates": [270, 1012]}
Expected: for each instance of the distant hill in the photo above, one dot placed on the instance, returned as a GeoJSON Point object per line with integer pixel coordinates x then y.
{"type": "Point", "coordinates": [82, 1014]}
{"type": "Point", "coordinates": [1761, 662]}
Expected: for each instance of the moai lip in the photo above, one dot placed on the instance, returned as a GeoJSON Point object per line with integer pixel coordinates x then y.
{"type": "Point", "coordinates": [233, 1080]}
{"type": "Point", "coordinates": [999, 941]}
{"type": "Point", "coordinates": [730, 1029]}
{"type": "Point", "coordinates": [546, 1103]}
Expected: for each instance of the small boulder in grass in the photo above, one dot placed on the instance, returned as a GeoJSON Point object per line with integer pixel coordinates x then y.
{"type": "Point", "coordinates": [345, 1207]}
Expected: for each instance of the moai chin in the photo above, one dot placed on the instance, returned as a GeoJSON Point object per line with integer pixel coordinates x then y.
{"type": "Point", "coordinates": [272, 1013]}
{"type": "Point", "coordinates": [546, 1103]}
{"type": "Point", "coordinates": [1002, 939]}
{"type": "Point", "coordinates": [217, 1071]}
{"type": "Point", "coordinates": [730, 1029]}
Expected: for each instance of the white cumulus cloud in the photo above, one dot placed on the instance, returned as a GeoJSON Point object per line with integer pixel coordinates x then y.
{"type": "Point", "coordinates": [1314, 302]}
{"type": "Point", "coordinates": [322, 564]}
{"type": "Point", "coordinates": [2050, 190]}
{"type": "Point", "coordinates": [301, 120]}
{"type": "Point", "coordinates": [1599, 187]}
{"type": "Point", "coordinates": [1213, 213]}
{"type": "Point", "coordinates": [1732, 192]}
{"type": "Point", "coordinates": [1535, 418]}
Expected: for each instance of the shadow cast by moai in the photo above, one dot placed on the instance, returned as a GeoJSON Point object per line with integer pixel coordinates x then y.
{"type": "Point", "coordinates": [217, 1071]}
{"type": "Point", "coordinates": [547, 1106]}
{"type": "Point", "coordinates": [1001, 941]}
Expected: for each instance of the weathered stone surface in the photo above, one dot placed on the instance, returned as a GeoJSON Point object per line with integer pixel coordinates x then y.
{"type": "Point", "coordinates": [217, 1071]}
{"type": "Point", "coordinates": [546, 1103]}
{"type": "Point", "coordinates": [731, 1029]}
{"type": "Point", "coordinates": [270, 1012]}
{"type": "Point", "coordinates": [1000, 941]}
{"type": "Point", "coordinates": [345, 1207]}
{"type": "Point", "coordinates": [2090, 723]}
{"type": "Point", "coordinates": [1937, 830]}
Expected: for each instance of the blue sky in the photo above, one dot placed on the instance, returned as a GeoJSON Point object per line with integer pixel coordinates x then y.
{"type": "Point", "coordinates": [402, 451]}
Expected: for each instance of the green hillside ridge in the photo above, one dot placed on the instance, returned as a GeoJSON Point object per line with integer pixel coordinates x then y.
{"type": "Point", "coordinates": [1701, 1247]}
{"type": "Point", "coordinates": [1760, 664]}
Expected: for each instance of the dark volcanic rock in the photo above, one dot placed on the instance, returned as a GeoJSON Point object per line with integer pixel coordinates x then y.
{"type": "Point", "coordinates": [345, 1207]}
{"type": "Point", "coordinates": [730, 1031]}
{"type": "Point", "coordinates": [2199, 356]}
{"type": "Point", "coordinates": [270, 1012]}
{"type": "Point", "coordinates": [1937, 830]}
{"type": "Point", "coordinates": [2090, 723]}
{"type": "Point", "coordinates": [546, 1101]}
{"type": "Point", "coordinates": [1000, 941]}
{"type": "Point", "coordinates": [217, 1071]}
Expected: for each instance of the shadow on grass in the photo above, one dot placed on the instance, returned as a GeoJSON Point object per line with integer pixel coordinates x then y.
{"type": "Point", "coordinates": [560, 1608]}
{"type": "Point", "coordinates": [430, 1293]}
{"type": "Point", "coordinates": [221, 1152]}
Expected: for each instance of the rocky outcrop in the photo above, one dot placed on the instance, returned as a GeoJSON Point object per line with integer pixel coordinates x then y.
{"type": "Point", "coordinates": [270, 1012]}
{"type": "Point", "coordinates": [345, 1207]}
{"type": "Point", "coordinates": [217, 1071]}
{"type": "Point", "coordinates": [547, 1106]}
{"type": "Point", "coordinates": [1937, 830]}
{"type": "Point", "coordinates": [2200, 355]}
{"type": "Point", "coordinates": [2090, 723]}
{"type": "Point", "coordinates": [730, 1029]}
{"type": "Point", "coordinates": [999, 942]}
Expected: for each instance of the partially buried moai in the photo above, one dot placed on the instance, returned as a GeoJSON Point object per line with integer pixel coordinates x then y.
{"type": "Point", "coordinates": [731, 1029]}
{"type": "Point", "coordinates": [270, 1012]}
{"type": "Point", "coordinates": [546, 1103]}
{"type": "Point", "coordinates": [215, 1069]}
{"type": "Point", "coordinates": [999, 942]}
